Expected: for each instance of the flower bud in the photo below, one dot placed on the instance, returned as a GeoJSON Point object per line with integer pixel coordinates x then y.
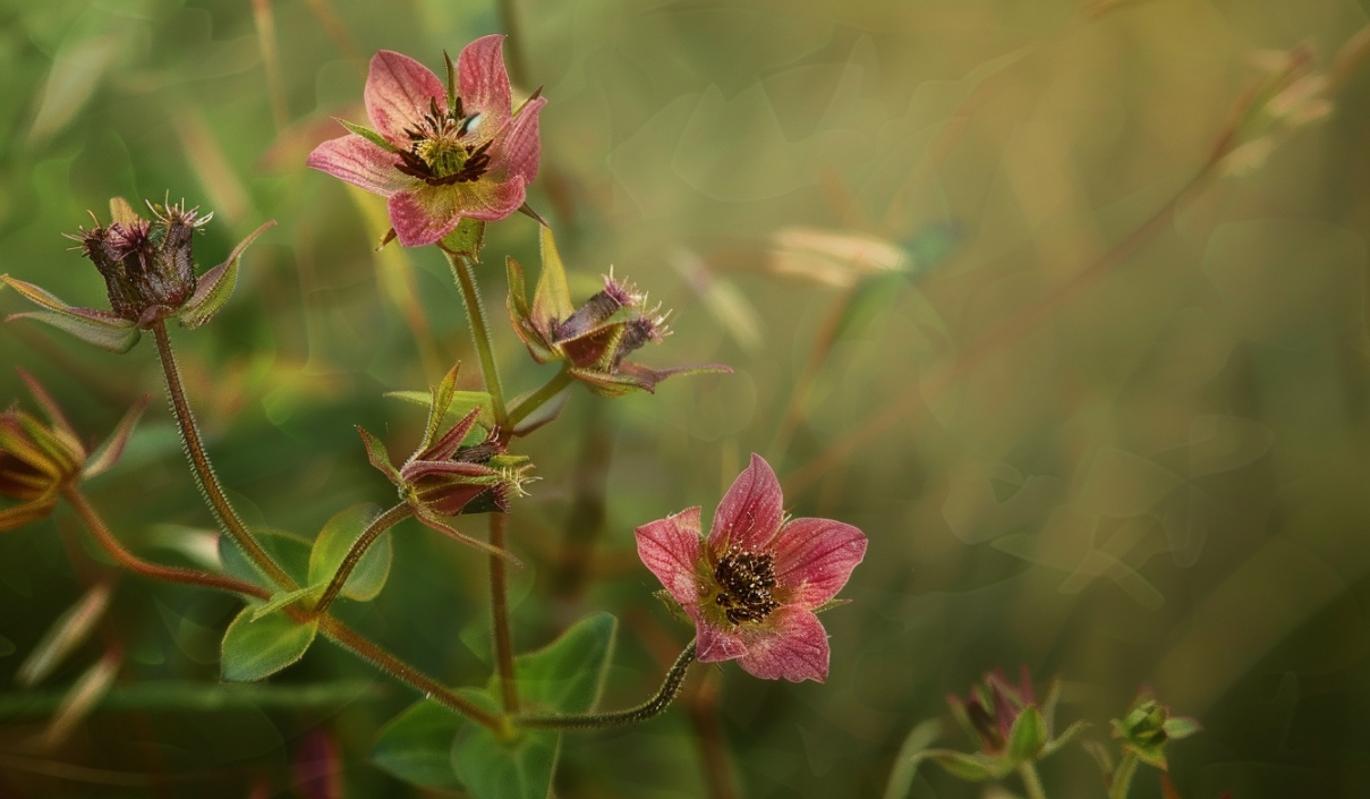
{"type": "Point", "coordinates": [148, 265]}
{"type": "Point", "coordinates": [1147, 727]}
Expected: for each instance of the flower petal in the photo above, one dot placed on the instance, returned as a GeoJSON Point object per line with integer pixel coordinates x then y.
{"type": "Point", "coordinates": [814, 558]}
{"type": "Point", "coordinates": [518, 148]}
{"type": "Point", "coordinates": [424, 215]}
{"type": "Point", "coordinates": [483, 81]}
{"type": "Point", "coordinates": [715, 644]}
{"type": "Point", "coordinates": [361, 163]}
{"type": "Point", "coordinates": [669, 548]}
{"type": "Point", "coordinates": [795, 648]}
{"type": "Point", "coordinates": [489, 199]}
{"type": "Point", "coordinates": [749, 514]}
{"type": "Point", "coordinates": [397, 95]}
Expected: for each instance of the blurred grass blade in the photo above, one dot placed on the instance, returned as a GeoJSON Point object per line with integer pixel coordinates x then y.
{"type": "Point", "coordinates": [84, 695]}
{"type": "Point", "coordinates": [911, 755]}
{"type": "Point", "coordinates": [70, 630]}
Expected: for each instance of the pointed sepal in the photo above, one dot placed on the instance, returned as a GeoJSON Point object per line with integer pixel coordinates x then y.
{"type": "Point", "coordinates": [103, 329]}
{"type": "Point", "coordinates": [108, 453]}
{"type": "Point", "coordinates": [215, 287]}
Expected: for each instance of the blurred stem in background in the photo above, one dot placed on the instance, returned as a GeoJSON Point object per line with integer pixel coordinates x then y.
{"type": "Point", "coordinates": [499, 617]}
{"type": "Point", "coordinates": [1121, 783]}
{"type": "Point", "coordinates": [1020, 325]}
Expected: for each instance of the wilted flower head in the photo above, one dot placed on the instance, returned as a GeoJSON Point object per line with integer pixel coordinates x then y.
{"type": "Point", "coordinates": [753, 585]}
{"type": "Point", "coordinates": [1147, 727]}
{"type": "Point", "coordinates": [39, 459]}
{"type": "Point", "coordinates": [594, 339]}
{"type": "Point", "coordinates": [439, 153]}
{"type": "Point", "coordinates": [149, 271]}
{"type": "Point", "coordinates": [444, 477]}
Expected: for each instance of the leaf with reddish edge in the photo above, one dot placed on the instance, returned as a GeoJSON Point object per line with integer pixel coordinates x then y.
{"type": "Point", "coordinates": [216, 286]}
{"type": "Point", "coordinates": [377, 456]}
{"type": "Point", "coordinates": [463, 402]}
{"type": "Point", "coordinates": [434, 522]}
{"type": "Point", "coordinates": [108, 453]}
{"type": "Point", "coordinates": [101, 328]}
{"type": "Point", "coordinates": [630, 377]}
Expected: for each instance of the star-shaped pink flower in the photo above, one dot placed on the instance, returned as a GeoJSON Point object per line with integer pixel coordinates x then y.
{"type": "Point", "coordinates": [439, 153]}
{"type": "Point", "coordinates": [753, 585]}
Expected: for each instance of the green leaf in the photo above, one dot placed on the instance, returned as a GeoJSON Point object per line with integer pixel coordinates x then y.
{"type": "Point", "coordinates": [378, 456]}
{"type": "Point", "coordinates": [368, 134]}
{"type": "Point", "coordinates": [566, 676]}
{"type": "Point", "coordinates": [911, 755]}
{"type": "Point", "coordinates": [280, 600]}
{"type": "Point", "coordinates": [101, 328]}
{"type": "Point", "coordinates": [416, 746]}
{"type": "Point", "coordinates": [551, 298]}
{"type": "Point", "coordinates": [336, 538]}
{"type": "Point", "coordinates": [215, 287]}
{"type": "Point", "coordinates": [1178, 727]}
{"type": "Point", "coordinates": [463, 402]}
{"type": "Point", "coordinates": [975, 767]}
{"type": "Point", "coordinates": [467, 239]}
{"type": "Point", "coordinates": [255, 648]}
{"type": "Point", "coordinates": [1028, 735]}
{"type": "Point", "coordinates": [287, 549]}
{"type": "Point", "coordinates": [437, 410]}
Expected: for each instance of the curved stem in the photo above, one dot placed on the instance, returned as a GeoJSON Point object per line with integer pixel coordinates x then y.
{"type": "Point", "coordinates": [380, 524]}
{"type": "Point", "coordinates": [480, 332]}
{"type": "Point", "coordinates": [366, 649]}
{"type": "Point", "coordinates": [204, 469]}
{"type": "Point", "coordinates": [130, 561]}
{"type": "Point", "coordinates": [1121, 784]}
{"type": "Point", "coordinates": [1032, 783]}
{"type": "Point", "coordinates": [546, 393]}
{"type": "Point", "coordinates": [499, 617]}
{"type": "Point", "coordinates": [665, 695]}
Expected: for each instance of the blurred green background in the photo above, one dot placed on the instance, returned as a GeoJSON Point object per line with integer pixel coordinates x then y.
{"type": "Point", "coordinates": [1154, 477]}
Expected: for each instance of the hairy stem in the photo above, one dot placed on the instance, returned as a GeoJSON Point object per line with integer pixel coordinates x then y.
{"type": "Point", "coordinates": [203, 469]}
{"type": "Point", "coordinates": [172, 574]}
{"type": "Point", "coordinates": [499, 617]}
{"type": "Point", "coordinates": [380, 524]}
{"type": "Point", "coordinates": [480, 333]}
{"type": "Point", "coordinates": [546, 393]}
{"type": "Point", "coordinates": [1121, 784]}
{"type": "Point", "coordinates": [1032, 783]}
{"type": "Point", "coordinates": [665, 695]}
{"type": "Point", "coordinates": [368, 650]}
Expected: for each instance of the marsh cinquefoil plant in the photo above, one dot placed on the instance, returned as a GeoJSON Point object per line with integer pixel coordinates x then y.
{"type": "Point", "coordinates": [450, 156]}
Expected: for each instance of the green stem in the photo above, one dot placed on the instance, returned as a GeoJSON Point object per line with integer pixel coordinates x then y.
{"type": "Point", "coordinates": [380, 524]}
{"type": "Point", "coordinates": [665, 695]}
{"type": "Point", "coordinates": [480, 332]}
{"type": "Point", "coordinates": [499, 617]}
{"type": "Point", "coordinates": [1032, 783]}
{"type": "Point", "coordinates": [331, 627]}
{"type": "Point", "coordinates": [546, 393]}
{"type": "Point", "coordinates": [1122, 777]}
{"type": "Point", "coordinates": [203, 469]}
{"type": "Point", "coordinates": [366, 649]}
{"type": "Point", "coordinates": [171, 574]}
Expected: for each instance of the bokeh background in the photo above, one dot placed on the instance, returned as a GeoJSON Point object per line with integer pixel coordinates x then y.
{"type": "Point", "coordinates": [1088, 428]}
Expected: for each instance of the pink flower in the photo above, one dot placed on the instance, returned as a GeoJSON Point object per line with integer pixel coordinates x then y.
{"type": "Point", "coordinates": [753, 585]}
{"type": "Point", "coordinates": [439, 153]}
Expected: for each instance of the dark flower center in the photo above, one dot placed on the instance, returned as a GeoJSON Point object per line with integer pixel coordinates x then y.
{"type": "Point", "coordinates": [745, 580]}
{"type": "Point", "coordinates": [444, 148]}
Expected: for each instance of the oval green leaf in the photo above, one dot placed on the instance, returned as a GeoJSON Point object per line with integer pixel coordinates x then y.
{"type": "Point", "coordinates": [336, 538]}
{"type": "Point", "coordinates": [254, 649]}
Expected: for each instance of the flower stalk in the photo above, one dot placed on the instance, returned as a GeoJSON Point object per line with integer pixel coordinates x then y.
{"type": "Point", "coordinates": [665, 695]}
{"type": "Point", "coordinates": [499, 617]}
{"type": "Point", "coordinates": [1032, 783]}
{"type": "Point", "coordinates": [545, 394]}
{"type": "Point", "coordinates": [203, 469]}
{"type": "Point", "coordinates": [1121, 784]}
{"type": "Point", "coordinates": [391, 517]}
{"type": "Point", "coordinates": [171, 574]}
{"type": "Point", "coordinates": [480, 332]}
